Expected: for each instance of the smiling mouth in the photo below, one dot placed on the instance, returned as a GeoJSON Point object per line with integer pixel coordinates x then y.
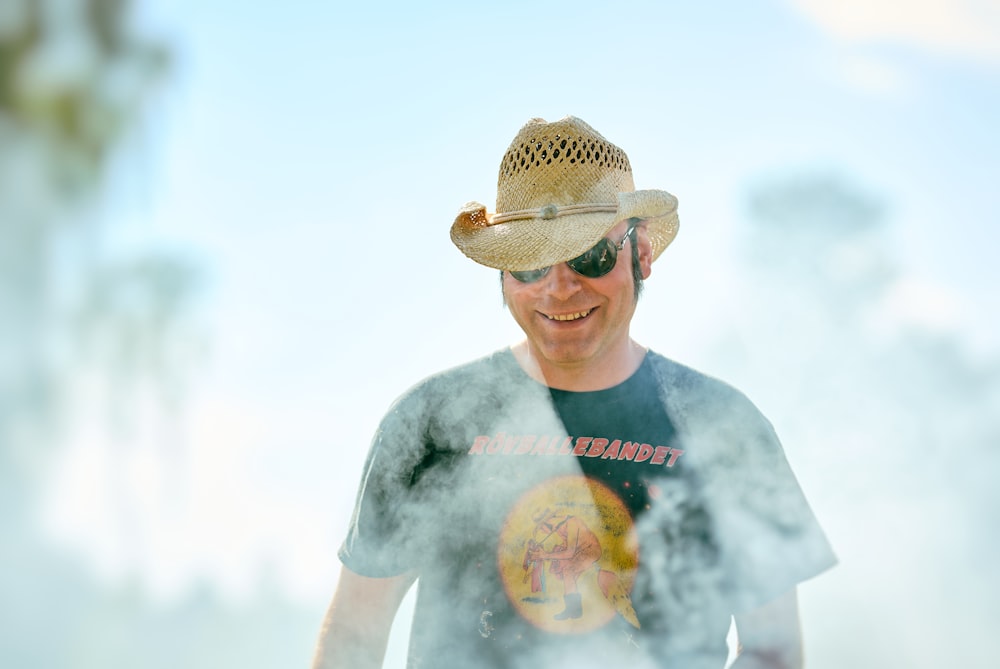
{"type": "Point", "coordinates": [569, 317]}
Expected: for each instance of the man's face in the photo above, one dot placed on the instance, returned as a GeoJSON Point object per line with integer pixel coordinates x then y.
{"type": "Point", "coordinates": [572, 321]}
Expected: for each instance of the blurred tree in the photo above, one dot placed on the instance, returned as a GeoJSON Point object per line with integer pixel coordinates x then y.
{"type": "Point", "coordinates": [73, 78]}
{"type": "Point", "coordinates": [825, 232]}
{"type": "Point", "coordinates": [821, 305]}
{"type": "Point", "coordinates": [887, 416]}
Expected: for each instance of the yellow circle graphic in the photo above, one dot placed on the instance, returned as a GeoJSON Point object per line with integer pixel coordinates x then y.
{"type": "Point", "coordinates": [567, 556]}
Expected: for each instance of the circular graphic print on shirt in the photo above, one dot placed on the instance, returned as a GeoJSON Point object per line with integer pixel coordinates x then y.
{"type": "Point", "coordinates": [567, 556]}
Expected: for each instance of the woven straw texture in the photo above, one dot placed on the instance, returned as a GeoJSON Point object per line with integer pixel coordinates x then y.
{"type": "Point", "coordinates": [561, 187]}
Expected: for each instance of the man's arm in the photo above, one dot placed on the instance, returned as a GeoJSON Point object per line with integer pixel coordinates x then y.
{"type": "Point", "coordinates": [770, 636]}
{"type": "Point", "coordinates": [357, 624]}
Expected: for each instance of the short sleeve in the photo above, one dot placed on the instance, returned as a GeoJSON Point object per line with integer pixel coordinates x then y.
{"type": "Point", "coordinates": [771, 539]}
{"type": "Point", "coordinates": [768, 536]}
{"type": "Point", "coordinates": [378, 538]}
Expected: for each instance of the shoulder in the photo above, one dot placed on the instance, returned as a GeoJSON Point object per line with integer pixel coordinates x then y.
{"type": "Point", "coordinates": [718, 421]}
{"type": "Point", "coordinates": [693, 390]}
{"type": "Point", "coordinates": [478, 375]}
{"type": "Point", "coordinates": [462, 388]}
{"type": "Point", "coordinates": [435, 410]}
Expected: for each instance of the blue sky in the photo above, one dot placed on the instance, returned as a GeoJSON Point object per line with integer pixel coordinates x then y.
{"type": "Point", "coordinates": [310, 156]}
{"type": "Point", "coordinates": [300, 124]}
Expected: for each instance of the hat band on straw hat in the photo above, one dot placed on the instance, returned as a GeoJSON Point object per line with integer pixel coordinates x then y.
{"type": "Point", "coordinates": [561, 187]}
{"type": "Point", "coordinates": [551, 211]}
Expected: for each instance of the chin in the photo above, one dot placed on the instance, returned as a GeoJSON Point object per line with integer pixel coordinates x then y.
{"type": "Point", "coordinates": [567, 356]}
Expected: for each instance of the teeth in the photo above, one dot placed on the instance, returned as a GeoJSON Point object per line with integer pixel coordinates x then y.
{"type": "Point", "coordinates": [570, 317]}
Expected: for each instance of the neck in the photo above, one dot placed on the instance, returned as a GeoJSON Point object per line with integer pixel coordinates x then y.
{"type": "Point", "coordinates": [584, 375]}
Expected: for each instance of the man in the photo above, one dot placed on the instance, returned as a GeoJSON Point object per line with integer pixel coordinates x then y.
{"type": "Point", "coordinates": [574, 499]}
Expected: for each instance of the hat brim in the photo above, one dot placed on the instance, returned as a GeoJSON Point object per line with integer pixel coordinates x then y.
{"type": "Point", "coordinates": [533, 243]}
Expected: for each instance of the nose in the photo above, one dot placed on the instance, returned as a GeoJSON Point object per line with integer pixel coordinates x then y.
{"type": "Point", "coordinates": [561, 282]}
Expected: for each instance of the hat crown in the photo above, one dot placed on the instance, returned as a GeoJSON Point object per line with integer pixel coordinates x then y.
{"type": "Point", "coordinates": [562, 163]}
{"type": "Point", "coordinates": [561, 188]}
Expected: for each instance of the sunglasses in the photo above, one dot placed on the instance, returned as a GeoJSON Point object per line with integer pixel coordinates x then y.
{"type": "Point", "coordinates": [596, 262]}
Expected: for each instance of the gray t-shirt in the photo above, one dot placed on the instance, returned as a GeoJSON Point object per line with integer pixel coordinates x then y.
{"type": "Point", "coordinates": [621, 527]}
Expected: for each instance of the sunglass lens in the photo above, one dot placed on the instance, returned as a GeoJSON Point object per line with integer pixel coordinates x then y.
{"type": "Point", "coordinates": [530, 275]}
{"type": "Point", "coordinates": [598, 261]}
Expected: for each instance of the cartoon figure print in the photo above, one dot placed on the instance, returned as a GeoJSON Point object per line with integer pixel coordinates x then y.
{"type": "Point", "coordinates": [575, 558]}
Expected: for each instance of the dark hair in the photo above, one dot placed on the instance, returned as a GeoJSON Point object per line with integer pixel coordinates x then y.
{"type": "Point", "coordinates": [637, 280]}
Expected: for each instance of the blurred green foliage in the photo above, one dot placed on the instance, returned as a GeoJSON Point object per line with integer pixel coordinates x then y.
{"type": "Point", "coordinates": [74, 80]}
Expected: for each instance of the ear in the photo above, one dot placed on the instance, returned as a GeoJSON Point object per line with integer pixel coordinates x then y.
{"type": "Point", "coordinates": [645, 248]}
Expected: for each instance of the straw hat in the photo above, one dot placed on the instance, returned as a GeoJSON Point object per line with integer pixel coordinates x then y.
{"type": "Point", "coordinates": [561, 187]}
